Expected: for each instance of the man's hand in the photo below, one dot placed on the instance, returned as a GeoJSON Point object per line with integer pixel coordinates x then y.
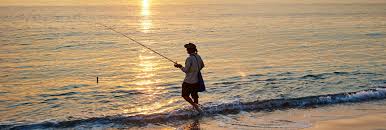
{"type": "Point", "coordinates": [178, 65]}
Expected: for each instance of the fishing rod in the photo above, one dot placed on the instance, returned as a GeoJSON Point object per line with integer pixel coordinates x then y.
{"type": "Point", "coordinates": [107, 27]}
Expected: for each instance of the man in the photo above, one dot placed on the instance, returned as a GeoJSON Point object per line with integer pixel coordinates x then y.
{"type": "Point", "coordinates": [193, 65]}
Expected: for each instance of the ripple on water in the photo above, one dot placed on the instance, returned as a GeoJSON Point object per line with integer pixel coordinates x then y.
{"type": "Point", "coordinates": [20, 104]}
{"type": "Point", "coordinates": [375, 34]}
{"type": "Point", "coordinates": [69, 87]}
{"type": "Point", "coordinates": [3, 92]}
{"type": "Point", "coordinates": [131, 92]}
{"type": "Point", "coordinates": [50, 100]}
{"type": "Point", "coordinates": [59, 94]}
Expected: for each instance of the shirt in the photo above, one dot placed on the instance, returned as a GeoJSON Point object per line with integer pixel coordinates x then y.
{"type": "Point", "coordinates": [192, 67]}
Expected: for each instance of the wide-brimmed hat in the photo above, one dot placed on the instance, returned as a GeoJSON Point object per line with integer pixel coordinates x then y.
{"type": "Point", "coordinates": [189, 45]}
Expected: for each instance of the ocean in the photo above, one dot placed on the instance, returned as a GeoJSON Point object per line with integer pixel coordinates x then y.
{"type": "Point", "coordinates": [262, 60]}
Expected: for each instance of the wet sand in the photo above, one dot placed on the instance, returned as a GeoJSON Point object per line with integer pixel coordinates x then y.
{"type": "Point", "coordinates": [366, 122]}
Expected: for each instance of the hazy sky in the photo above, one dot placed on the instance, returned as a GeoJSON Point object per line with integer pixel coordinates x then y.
{"type": "Point", "coordinates": [126, 2]}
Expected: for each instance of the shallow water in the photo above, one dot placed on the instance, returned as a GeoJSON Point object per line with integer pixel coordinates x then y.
{"type": "Point", "coordinates": [51, 55]}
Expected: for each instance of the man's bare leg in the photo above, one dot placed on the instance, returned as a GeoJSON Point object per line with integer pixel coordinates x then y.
{"type": "Point", "coordinates": [187, 98]}
{"type": "Point", "coordinates": [195, 100]}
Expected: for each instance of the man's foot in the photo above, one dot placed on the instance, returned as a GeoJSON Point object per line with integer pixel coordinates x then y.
{"type": "Point", "coordinates": [196, 106]}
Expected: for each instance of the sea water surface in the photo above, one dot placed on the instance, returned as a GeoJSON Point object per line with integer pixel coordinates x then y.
{"type": "Point", "coordinates": [258, 57]}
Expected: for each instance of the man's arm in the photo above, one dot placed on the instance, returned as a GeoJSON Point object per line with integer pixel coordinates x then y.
{"type": "Point", "coordinates": [187, 65]}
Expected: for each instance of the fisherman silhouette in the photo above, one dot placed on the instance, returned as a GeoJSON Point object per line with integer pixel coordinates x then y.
{"type": "Point", "coordinates": [191, 85]}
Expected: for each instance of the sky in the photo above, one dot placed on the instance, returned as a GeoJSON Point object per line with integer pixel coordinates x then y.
{"type": "Point", "coordinates": [128, 2]}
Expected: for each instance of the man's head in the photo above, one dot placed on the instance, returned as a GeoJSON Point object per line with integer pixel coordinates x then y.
{"type": "Point", "coordinates": [190, 48]}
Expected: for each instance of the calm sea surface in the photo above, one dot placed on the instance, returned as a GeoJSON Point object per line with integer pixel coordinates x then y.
{"type": "Point", "coordinates": [50, 56]}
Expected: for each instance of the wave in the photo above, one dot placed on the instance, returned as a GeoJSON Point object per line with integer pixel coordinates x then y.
{"type": "Point", "coordinates": [213, 109]}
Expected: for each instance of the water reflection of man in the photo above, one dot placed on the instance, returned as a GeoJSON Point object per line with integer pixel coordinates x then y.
{"type": "Point", "coordinates": [193, 65]}
{"type": "Point", "coordinates": [194, 125]}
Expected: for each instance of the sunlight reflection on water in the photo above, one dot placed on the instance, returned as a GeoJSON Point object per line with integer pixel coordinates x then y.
{"type": "Point", "coordinates": [146, 22]}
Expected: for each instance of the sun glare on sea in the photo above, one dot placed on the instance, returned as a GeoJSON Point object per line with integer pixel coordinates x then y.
{"type": "Point", "coordinates": [145, 8]}
{"type": "Point", "coordinates": [147, 69]}
{"type": "Point", "coordinates": [146, 22]}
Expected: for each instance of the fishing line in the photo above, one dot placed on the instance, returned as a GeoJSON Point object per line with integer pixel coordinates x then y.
{"type": "Point", "coordinates": [107, 27]}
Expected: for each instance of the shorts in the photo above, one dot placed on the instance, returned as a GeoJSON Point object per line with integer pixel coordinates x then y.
{"type": "Point", "coordinates": [190, 89]}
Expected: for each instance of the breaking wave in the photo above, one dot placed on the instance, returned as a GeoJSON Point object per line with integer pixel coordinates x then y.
{"type": "Point", "coordinates": [211, 109]}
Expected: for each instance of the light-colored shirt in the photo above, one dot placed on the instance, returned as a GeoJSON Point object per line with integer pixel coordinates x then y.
{"type": "Point", "coordinates": [193, 65]}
